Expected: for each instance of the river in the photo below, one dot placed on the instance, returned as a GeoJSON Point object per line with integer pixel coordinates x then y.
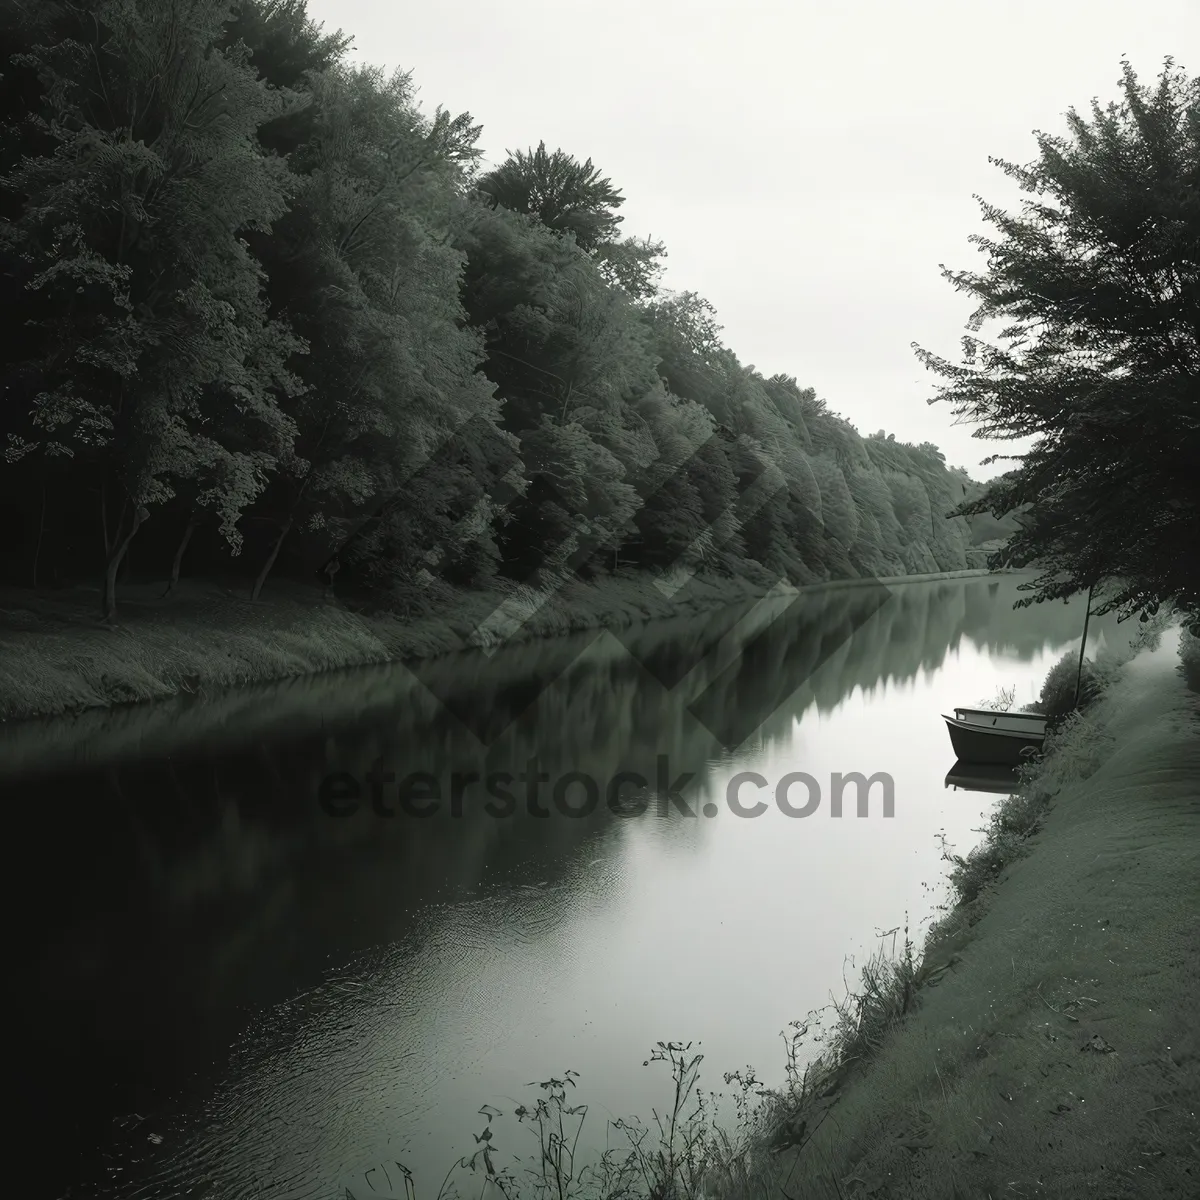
{"type": "Point", "coordinates": [230, 990]}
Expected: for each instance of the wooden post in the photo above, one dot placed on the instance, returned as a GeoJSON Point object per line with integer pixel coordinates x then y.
{"type": "Point", "coordinates": [1083, 644]}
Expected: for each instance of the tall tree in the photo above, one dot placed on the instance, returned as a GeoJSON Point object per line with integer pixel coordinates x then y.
{"type": "Point", "coordinates": [285, 43]}
{"type": "Point", "coordinates": [564, 194]}
{"type": "Point", "coordinates": [362, 270]}
{"type": "Point", "coordinates": [147, 338]}
{"type": "Point", "coordinates": [1101, 286]}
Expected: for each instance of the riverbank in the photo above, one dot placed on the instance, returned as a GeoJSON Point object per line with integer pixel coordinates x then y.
{"type": "Point", "coordinates": [60, 658]}
{"type": "Point", "coordinates": [1052, 1048]}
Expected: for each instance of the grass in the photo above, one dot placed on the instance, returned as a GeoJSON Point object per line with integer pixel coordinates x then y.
{"type": "Point", "coordinates": [60, 658]}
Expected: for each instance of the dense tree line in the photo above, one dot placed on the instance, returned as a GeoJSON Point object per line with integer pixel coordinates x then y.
{"type": "Point", "coordinates": [267, 314]}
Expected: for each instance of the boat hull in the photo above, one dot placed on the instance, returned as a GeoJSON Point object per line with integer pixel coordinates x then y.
{"type": "Point", "coordinates": [993, 747]}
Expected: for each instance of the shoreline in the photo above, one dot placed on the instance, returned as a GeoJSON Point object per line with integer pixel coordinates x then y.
{"type": "Point", "coordinates": [60, 660]}
{"type": "Point", "coordinates": [1051, 1048]}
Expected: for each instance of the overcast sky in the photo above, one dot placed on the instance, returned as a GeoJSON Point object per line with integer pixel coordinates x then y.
{"type": "Point", "coordinates": [808, 163]}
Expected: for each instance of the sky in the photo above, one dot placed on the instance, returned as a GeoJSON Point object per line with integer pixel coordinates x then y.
{"type": "Point", "coordinates": [808, 163]}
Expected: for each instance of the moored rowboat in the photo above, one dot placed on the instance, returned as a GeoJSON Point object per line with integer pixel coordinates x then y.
{"type": "Point", "coordinates": [1000, 738]}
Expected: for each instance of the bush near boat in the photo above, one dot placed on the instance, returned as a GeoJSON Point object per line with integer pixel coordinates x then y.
{"type": "Point", "coordinates": [1056, 701]}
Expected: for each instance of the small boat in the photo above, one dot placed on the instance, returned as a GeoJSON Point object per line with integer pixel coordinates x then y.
{"type": "Point", "coordinates": [983, 777]}
{"type": "Point", "coordinates": [981, 735]}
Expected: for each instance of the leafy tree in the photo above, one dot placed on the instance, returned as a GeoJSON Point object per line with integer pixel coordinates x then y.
{"type": "Point", "coordinates": [580, 508]}
{"type": "Point", "coordinates": [263, 296]}
{"type": "Point", "coordinates": [1101, 285]}
{"type": "Point", "coordinates": [711, 470]}
{"type": "Point", "coordinates": [565, 349]}
{"type": "Point", "coordinates": [877, 548]}
{"type": "Point", "coordinates": [670, 524]}
{"type": "Point", "coordinates": [632, 265]}
{"type": "Point", "coordinates": [512, 267]}
{"type": "Point", "coordinates": [361, 274]}
{"type": "Point", "coordinates": [146, 331]}
{"type": "Point", "coordinates": [565, 195]}
{"type": "Point", "coordinates": [285, 44]}
{"type": "Point", "coordinates": [685, 338]}
{"type": "Point", "coordinates": [792, 403]}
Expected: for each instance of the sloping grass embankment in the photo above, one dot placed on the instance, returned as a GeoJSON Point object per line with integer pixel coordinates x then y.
{"type": "Point", "coordinates": [57, 657]}
{"type": "Point", "coordinates": [1052, 1047]}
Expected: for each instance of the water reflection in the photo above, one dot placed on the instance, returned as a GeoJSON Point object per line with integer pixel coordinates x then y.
{"type": "Point", "coordinates": [283, 995]}
{"type": "Point", "coordinates": [981, 777]}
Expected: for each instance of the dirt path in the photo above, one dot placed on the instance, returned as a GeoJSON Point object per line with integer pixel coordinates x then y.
{"type": "Point", "coordinates": [1060, 1054]}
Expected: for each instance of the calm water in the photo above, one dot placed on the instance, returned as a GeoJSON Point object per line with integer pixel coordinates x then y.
{"type": "Point", "coordinates": [285, 997]}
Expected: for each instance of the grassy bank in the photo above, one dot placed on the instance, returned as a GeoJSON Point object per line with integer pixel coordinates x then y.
{"type": "Point", "coordinates": [58, 657]}
{"type": "Point", "coordinates": [1043, 1043]}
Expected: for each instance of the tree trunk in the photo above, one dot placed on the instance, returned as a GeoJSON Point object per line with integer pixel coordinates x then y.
{"type": "Point", "coordinates": [109, 594]}
{"type": "Point", "coordinates": [177, 562]}
{"type": "Point", "coordinates": [1083, 644]}
{"type": "Point", "coordinates": [266, 570]}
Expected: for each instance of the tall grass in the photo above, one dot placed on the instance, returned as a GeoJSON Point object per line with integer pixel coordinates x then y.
{"type": "Point", "coordinates": [686, 1152]}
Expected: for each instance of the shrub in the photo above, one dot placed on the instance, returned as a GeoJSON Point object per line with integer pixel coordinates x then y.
{"type": "Point", "coordinates": [1057, 697]}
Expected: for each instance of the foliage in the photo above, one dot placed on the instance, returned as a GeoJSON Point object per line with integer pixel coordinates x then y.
{"type": "Point", "coordinates": [272, 310]}
{"type": "Point", "coordinates": [139, 207]}
{"type": "Point", "coordinates": [564, 195]}
{"type": "Point", "coordinates": [1100, 284]}
{"type": "Point", "coordinates": [1057, 697]}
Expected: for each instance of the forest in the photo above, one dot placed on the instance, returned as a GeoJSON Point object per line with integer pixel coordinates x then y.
{"type": "Point", "coordinates": [275, 322]}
